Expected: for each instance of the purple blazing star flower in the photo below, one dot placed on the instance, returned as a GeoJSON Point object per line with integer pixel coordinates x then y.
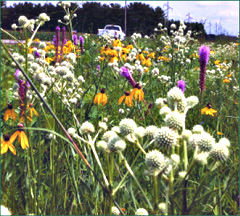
{"type": "Point", "coordinates": [98, 67]}
{"type": "Point", "coordinates": [37, 55]}
{"type": "Point", "coordinates": [54, 40]}
{"type": "Point", "coordinates": [75, 39]}
{"type": "Point", "coordinates": [125, 72]}
{"type": "Point", "coordinates": [181, 85]}
{"type": "Point", "coordinates": [204, 53]}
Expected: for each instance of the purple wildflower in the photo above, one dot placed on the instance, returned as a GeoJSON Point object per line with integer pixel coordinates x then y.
{"type": "Point", "coordinates": [98, 67]}
{"type": "Point", "coordinates": [81, 43]}
{"type": "Point", "coordinates": [16, 74]}
{"type": "Point", "coordinates": [54, 40]}
{"type": "Point", "coordinates": [125, 72]}
{"type": "Point", "coordinates": [37, 55]}
{"type": "Point", "coordinates": [181, 85]}
{"type": "Point", "coordinates": [75, 39]}
{"type": "Point", "coordinates": [63, 41]}
{"type": "Point", "coordinates": [203, 60]}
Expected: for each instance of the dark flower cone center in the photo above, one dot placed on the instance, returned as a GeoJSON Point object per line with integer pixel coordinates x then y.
{"type": "Point", "coordinates": [10, 106]}
{"type": "Point", "coordinates": [30, 105]}
{"type": "Point", "coordinates": [127, 93]}
{"type": "Point", "coordinates": [103, 90]}
{"type": "Point", "coordinates": [6, 137]}
{"type": "Point", "coordinates": [20, 126]}
{"type": "Point", "coordinates": [209, 105]}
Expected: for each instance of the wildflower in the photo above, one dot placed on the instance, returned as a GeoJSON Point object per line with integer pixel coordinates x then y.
{"type": "Point", "coordinates": [75, 39]}
{"type": "Point", "coordinates": [7, 142]}
{"type": "Point", "coordinates": [137, 92]}
{"type": "Point", "coordinates": [10, 113]}
{"type": "Point", "coordinates": [141, 211]}
{"type": "Point", "coordinates": [115, 210]}
{"type": "Point", "coordinates": [56, 41]}
{"type": "Point", "coordinates": [87, 127]}
{"type": "Point", "coordinates": [116, 144]}
{"type": "Point", "coordinates": [127, 74]}
{"type": "Point", "coordinates": [205, 142]}
{"type": "Point", "coordinates": [219, 152]}
{"type": "Point", "coordinates": [128, 99]}
{"type": "Point", "coordinates": [101, 97]}
{"type": "Point", "coordinates": [181, 85]}
{"type": "Point", "coordinates": [208, 110]}
{"type": "Point", "coordinates": [130, 46]}
{"type": "Point", "coordinates": [81, 43]}
{"type": "Point", "coordinates": [203, 59]}
{"type": "Point", "coordinates": [217, 62]}
{"type": "Point", "coordinates": [166, 137]}
{"type": "Point", "coordinates": [117, 43]}
{"type": "Point", "coordinates": [219, 133]}
{"type": "Point", "coordinates": [127, 126]}
{"type": "Point", "coordinates": [226, 80]}
{"type": "Point", "coordinates": [22, 137]}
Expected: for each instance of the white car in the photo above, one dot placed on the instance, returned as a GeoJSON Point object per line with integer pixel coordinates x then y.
{"type": "Point", "coordinates": [112, 30]}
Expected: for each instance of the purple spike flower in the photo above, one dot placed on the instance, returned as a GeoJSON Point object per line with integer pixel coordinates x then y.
{"type": "Point", "coordinates": [54, 40]}
{"type": "Point", "coordinates": [16, 74]}
{"type": "Point", "coordinates": [204, 53]}
{"type": "Point", "coordinates": [125, 72]}
{"type": "Point", "coordinates": [181, 85]}
{"type": "Point", "coordinates": [75, 39]}
{"type": "Point", "coordinates": [37, 55]}
{"type": "Point", "coordinates": [81, 43]}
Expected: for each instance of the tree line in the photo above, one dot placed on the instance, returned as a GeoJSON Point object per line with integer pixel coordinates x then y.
{"type": "Point", "coordinates": [91, 16]}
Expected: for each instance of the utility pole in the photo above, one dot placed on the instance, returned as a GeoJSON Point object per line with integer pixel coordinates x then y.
{"type": "Point", "coordinates": [189, 18]}
{"type": "Point", "coordinates": [216, 32]}
{"type": "Point", "coordinates": [125, 18]}
{"type": "Point", "coordinates": [167, 9]}
{"type": "Point", "coordinates": [209, 24]}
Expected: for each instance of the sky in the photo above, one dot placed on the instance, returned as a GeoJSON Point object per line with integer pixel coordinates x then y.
{"type": "Point", "coordinates": [222, 16]}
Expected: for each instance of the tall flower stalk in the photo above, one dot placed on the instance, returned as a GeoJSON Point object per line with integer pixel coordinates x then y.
{"type": "Point", "coordinates": [203, 60]}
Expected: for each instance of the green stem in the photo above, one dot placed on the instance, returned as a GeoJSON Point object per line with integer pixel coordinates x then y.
{"type": "Point", "coordinates": [155, 189]}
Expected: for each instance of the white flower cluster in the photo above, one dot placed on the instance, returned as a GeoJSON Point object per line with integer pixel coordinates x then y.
{"type": "Point", "coordinates": [136, 36]}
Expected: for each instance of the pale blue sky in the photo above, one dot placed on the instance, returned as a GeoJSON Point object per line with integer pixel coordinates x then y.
{"type": "Point", "coordinates": [225, 13]}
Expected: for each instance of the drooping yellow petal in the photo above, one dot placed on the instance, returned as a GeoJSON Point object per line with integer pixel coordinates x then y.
{"type": "Point", "coordinates": [104, 99]}
{"type": "Point", "coordinates": [7, 115]}
{"type": "Point", "coordinates": [25, 139]}
{"type": "Point", "coordinates": [14, 136]}
{"type": "Point", "coordinates": [35, 112]}
{"type": "Point", "coordinates": [121, 99]}
{"type": "Point", "coordinates": [141, 95]}
{"type": "Point", "coordinates": [4, 147]}
{"type": "Point", "coordinates": [13, 114]}
{"type": "Point", "coordinates": [24, 144]}
{"type": "Point", "coordinates": [96, 99]}
{"type": "Point", "coordinates": [12, 148]}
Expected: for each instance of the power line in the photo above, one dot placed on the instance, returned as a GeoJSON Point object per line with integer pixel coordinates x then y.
{"type": "Point", "coordinates": [209, 25]}
{"type": "Point", "coordinates": [167, 9]}
{"type": "Point", "coordinates": [189, 18]}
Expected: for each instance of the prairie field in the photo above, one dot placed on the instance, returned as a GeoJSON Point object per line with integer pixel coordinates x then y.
{"type": "Point", "coordinates": [98, 126]}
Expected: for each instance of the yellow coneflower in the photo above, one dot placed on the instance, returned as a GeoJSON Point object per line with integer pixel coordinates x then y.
{"type": "Point", "coordinates": [140, 57]}
{"type": "Point", "coordinates": [117, 43]}
{"type": "Point", "coordinates": [130, 46]}
{"type": "Point", "coordinates": [217, 62]}
{"type": "Point", "coordinates": [101, 98]}
{"type": "Point", "coordinates": [219, 133]}
{"type": "Point", "coordinates": [128, 99]}
{"type": "Point", "coordinates": [22, 137]}
{"type": "Point", "coordinates": [226, 80]}
{"type": "Point", "coordinates": [32, 110]}
{"type": "Point", "coordinates": [152, 55]}
{"type": "Point", "coordinates": [49, 60]}
{"type": "Point", "coordinates": [208, 110]}
{"type": "Point", "coordinates": [7, 143]}
{"type": "Point", "coordinates": [10, 113]}
{"type": "Point", "coordinates": [137, 93]}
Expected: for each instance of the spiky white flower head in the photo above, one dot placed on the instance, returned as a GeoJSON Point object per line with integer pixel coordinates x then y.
{"type": "Point", "coordinates": [156, 162]}
{"type": "Point", "coordinates": [73, 100]}
{"type": "Point", "coordinates": [162, 208]}
{"type": "Point", "coordinates": [66, 18]}
{"type": "Point", "coordinates": [202, 157]}
{"type": "Point", "coordinates": [43, 17]}
{"type": "Point", "coordinates": [224, 141]}
{"type": "Point", "coordinates": [121, 111]}
{"type": "Point", "coordinates": [103, 125]}
{"type": "Point", "coordinates": [175, 158]}
{"type": "Point", "coordinates": [81, 79]}
{"type": "Point", "coordinates": [23, 21]}
{"type": "Point", "coordinates": [176, 96]}
{"type": "Point", "coordinates": [127, 126]}
{"type": "Point", "coordinates": [206, 142]}
{"type": "Point", "coordinates": [165, 111]}
{"type": "Point", "coordinates": [87, 127]}
{"type": "Point", "coordinates": [71, 131]}
{"type": "Point", "coordinates": [42, 45]}
{"type": "Point", "coordinates": [175, 120]}
{"type": "Point", "coordinates": [151, 131]}
{"type": "Point", "coordinates": [115, 210]}
{"type": "Point", "coordinates": [173, 26]}
{"type": "Point", "coordinates": [193, 140]}
{"type": "Point", "coordinates": [115, 143]}
{"type": "Point", "coordinates": [14, 26]}
{"type": "Point", "coordinates": [166, 137]}
{"type": "Point", "coordinates": [30, 57]}
{"type": "Point", "coordinates": [139, 132]}
{"type": "Point", "coordinates": [186, 134]}
{"type": "Point", "coordinates": [160, 102]}
{"type": "Point", "coordinates": [20, 59]}
{"type": "Point", "coordinates": [72, 57]}
{"type": "Point", "coordinates": [116, 129]}
{"type": "Point", "coordinates": [108, 135]}
{"type": "Point", "coordinates": [102, 145]}
{"type": "Point", "coordinates": [182, 174]}
{"type": "Point", "coordinates": [192, 101]}
{"type": "Point", "coordinates": [160, 25]}
{"type": "Point", "coordinates": [5, 211]}
{"type": "Point", "coordinates": [141, 211]}
{"type": "Point", "coordinates": [198, 129]}
{"type": "Point", "coordinates": [220, 152]}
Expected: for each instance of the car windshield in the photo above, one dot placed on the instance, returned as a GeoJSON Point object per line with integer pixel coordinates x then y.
{"type": "Point", "coordinates": [112, 28]}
